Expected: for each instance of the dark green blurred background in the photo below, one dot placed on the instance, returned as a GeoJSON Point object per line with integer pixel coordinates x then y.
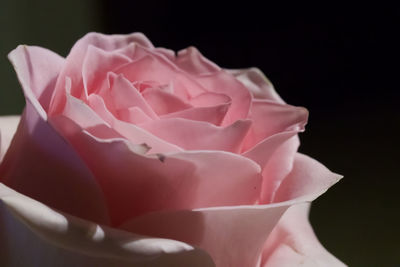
{"type": "Point", "coordinates": [338, 61]}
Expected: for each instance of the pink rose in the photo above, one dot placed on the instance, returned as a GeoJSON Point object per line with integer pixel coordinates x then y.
{"type": "Point", "coordinates": [131, 155]}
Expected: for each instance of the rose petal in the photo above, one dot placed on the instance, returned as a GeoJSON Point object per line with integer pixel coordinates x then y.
{"type": "Point", "coordinates": [96, 65]}
{"type": "Point", "coordinates": [223, 83]}
{"type": "Point", "coordinates": [192, 61]}
{"type": "Point", "coordinates": [131, 132]}
{"type": "Point", "coordinates": [74, 62]}
{"type": "Point", "coordinates": [307, 180]}
{"type": "Point", "coordinates": [197, 135]}
{"type": "Point", "coordinates": [155, 68]}
{"type": "Point", "coordinates": [278, 166]}
{"type": "Point", "coordinates": [133, 115]}
{"type": "Point", "coordinates": [233, 236]}
{"type": "Point", "coordinates": [163, 102]}
{"type": "Point", "coordinates": [208, 99]}
{"type": "Point", "coordinates": [42, 165]}
{"type": "Point", "coordinates": [8, 126]}
{"type": "Point", "coordinates": [264, 150]}
{"type": "Point", "coordinates": [293, 243]}
{"type": "Point", "coordinates": [168, 53]}
{"type": "Point", "coordinates": [270, 118]}
{"type": "Point", "coordinates": [180, 180]}
{"type": "Point", "coordinates": [50, 238]}
{"type": "Point", "coordinates": [211, 114]}
{"type": "Point", "coordinates": [258, 84]}
{"type": "Point", "coordinates": [124, 95]}
{"type": "Point", "coordinates": [36, 76]}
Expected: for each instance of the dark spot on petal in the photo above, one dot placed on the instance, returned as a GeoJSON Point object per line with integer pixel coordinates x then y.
{"type": "Point", "coordinates": [161, 157]}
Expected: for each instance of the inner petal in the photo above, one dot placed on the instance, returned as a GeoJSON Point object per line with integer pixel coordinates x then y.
{"type": "Point", "coordinates": [124, 95]}
{"type": "Point", "coordinates": [163, 102]}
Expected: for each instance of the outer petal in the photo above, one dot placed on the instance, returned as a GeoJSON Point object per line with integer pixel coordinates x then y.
{"type": "Point", "coordinates": [272, 141]}
{"type": "Point", "coordinates": [233, 236]}
{"type": "Point", "coordinates": [8, 126]}
{"type": "Point", "coordinates": [307, 179]}
{"type": "Point", "coordinates": [37, 76]}
{"type": "Point", "coordinates": [193, 62]}
{"type": "Point", "coordinates": [41, 164]}
{"type": "Point", "coordinates": [279, 164]}
{"type": "Point", "coordinates": [52, 171]}
{"type": "Point", "coordinates": [257, 83]}
{"type": "Point", "coordinates": [293, 243]}
{"type": "Point", "coordinates": [32, 234]}
{"type": "Point", "coordinates": [270, 118]}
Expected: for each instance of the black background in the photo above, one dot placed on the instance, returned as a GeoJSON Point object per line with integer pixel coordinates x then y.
{"type": "Point", "coordinates": [340, 62]}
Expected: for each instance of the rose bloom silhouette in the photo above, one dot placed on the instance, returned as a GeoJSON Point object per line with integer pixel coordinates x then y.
{"type": "Point", "coordinates": [132, 155]}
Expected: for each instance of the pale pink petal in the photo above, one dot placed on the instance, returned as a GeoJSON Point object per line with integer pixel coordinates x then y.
{"type": "Point", "coordinates": [156, 68]}
{"type": "Point", "coordinates": [208, 99]}
{"type": "Point", "coordinates": [223, 83]}
{"type": "Point", "coordinates": [96, 65]}
{"type": "Point", "coordinates": [133, 115]}
{"type": "Point", "coordinates": [131, 132]}
{"type": "Point", "coordinates": [32, 234]}
{"type": "Point", "coordinates": [258, 84]}
{"type": "Point", "coordinates": [181, 180]}
{"type": "Point", "coordinates": [36, 75]}
{"type": "Point", "coordinates": [163, 102]}
{"type": "Point", "coordinates": [272, 141]}
{"type": "Point", "coordinates": [278, 166]}
{"type": "Point", "coordinates": [42, 165]}
{"type": "Point", "coordinates": [211, 114]}
{"type": "Point", "coordinates": [193, 62]}
{"type": "Point", "coordinates": [307, 180]}
{"type": "Point", "coordinates": [75, 59]}
{"type": "Point", "coordinates": [8, 126]}
{"type": "Point", "coordinates": [124, 95]}
{"type": "Point", "coordinates": [198, 135]}
{"type": "Point", "coordinates": [293, 243]}
{"type": "Point", "coordinates": [264, 150]}
{"type": "Point", "coordinates": [168, 53]}
{"type": "Point", "coordinates": [233, 236]}
{"type": "Point", "coordinates": [270, 118]}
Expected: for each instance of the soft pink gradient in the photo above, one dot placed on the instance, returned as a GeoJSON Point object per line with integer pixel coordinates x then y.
{"type": "Point", "coordinates": [123, 134]}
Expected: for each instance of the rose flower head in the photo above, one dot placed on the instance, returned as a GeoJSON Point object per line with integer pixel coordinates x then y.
{"type": "Point", "coordinates": [132, 155]}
